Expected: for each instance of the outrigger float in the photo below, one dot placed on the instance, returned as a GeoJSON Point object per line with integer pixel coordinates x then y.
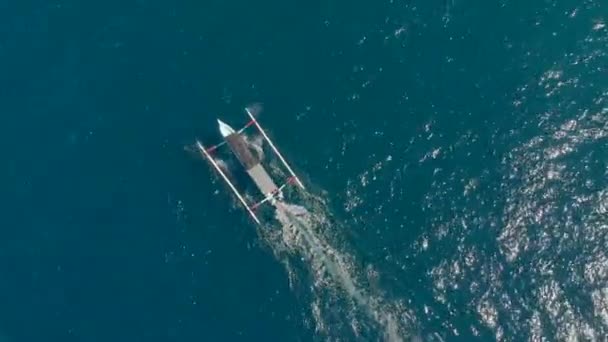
{"type": "Point", "coordinates": [272, 194]}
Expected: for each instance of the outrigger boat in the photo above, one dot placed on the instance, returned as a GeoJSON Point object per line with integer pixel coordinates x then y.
{"type": "Point", "coordinates": [272, 193]}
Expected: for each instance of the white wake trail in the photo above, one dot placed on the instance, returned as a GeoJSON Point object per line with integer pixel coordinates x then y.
{"type": "Point", "coordinates": [297, 221]}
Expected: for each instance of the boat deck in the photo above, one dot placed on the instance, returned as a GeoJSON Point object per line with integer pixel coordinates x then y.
{"type": "Point", "coordinates": [241, 150]}
{"type": "Point", "coordinates": [262, 179]}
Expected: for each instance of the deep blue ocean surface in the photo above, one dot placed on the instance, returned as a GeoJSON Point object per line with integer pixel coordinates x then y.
{"type": "Point", "coordinates": [456, 149]}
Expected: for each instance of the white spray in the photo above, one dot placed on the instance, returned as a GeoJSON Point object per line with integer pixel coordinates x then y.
{"type": "Point", "coordinates": [298, 221]}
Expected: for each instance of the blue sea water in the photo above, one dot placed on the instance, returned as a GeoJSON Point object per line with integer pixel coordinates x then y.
{"type": "Point", "coordinates": [456, 151]}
